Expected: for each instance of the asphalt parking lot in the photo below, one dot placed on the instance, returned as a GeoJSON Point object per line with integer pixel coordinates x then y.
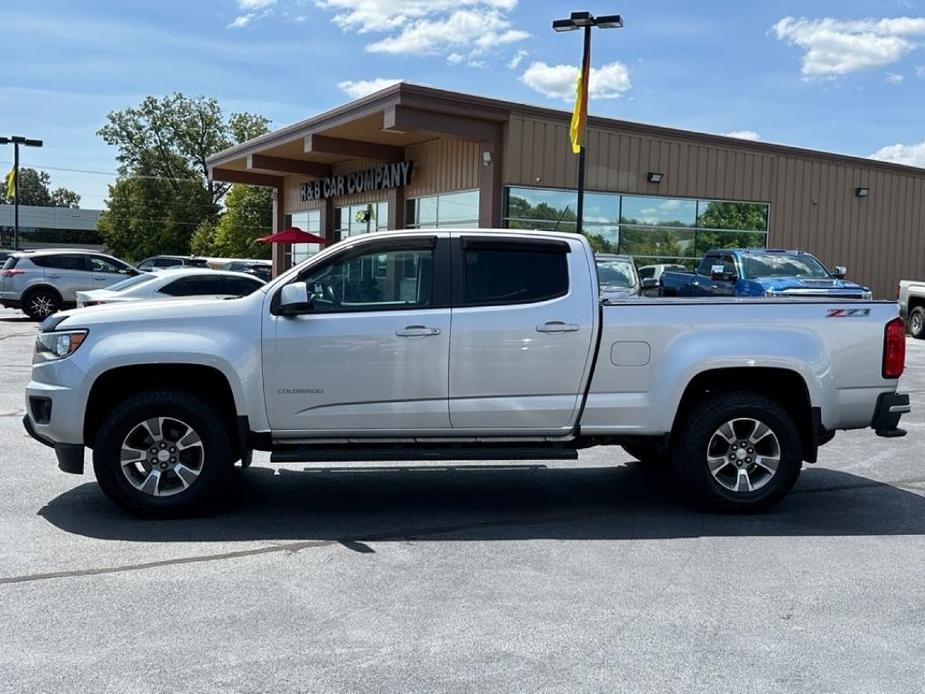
{"type": "Point", "coordinates": [586, 576]}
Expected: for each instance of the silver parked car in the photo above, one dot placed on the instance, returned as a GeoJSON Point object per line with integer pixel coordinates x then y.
{"type": "Point", "coordinates": [43, 282]}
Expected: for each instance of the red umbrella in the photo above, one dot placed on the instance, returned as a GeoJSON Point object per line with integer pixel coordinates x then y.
{"type": "Point", "coordinates": [292, 235]}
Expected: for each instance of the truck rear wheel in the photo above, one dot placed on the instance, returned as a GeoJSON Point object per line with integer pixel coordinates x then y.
{"type": "Point", "coordinates": [163, 454]}
{"type": "Point", "coordinates": [738, 452]}
{"type": "Point", "coordinates": [917, 323]}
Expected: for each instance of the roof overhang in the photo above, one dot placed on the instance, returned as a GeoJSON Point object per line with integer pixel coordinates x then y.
{"type": "Point", "coordinates": [378, 126]}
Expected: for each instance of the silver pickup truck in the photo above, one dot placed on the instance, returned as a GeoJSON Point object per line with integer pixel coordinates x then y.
{"type": "Point", "coordinates": [459, 345]}
{"type": "Point", "coordinates": [911, 296]}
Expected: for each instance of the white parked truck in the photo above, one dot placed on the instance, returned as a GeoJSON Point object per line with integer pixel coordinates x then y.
{"type": "Point", "coordinates": [911, 296]}
{"type": "Point", "coordinates": [459, 345]}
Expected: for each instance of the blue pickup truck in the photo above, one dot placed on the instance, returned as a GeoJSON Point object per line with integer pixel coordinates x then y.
{"type": "Point", "coordinates": [761, 272]}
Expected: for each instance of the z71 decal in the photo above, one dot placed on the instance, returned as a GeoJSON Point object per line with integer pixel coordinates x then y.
{"type": "Point", "coordinates": [847, 312]}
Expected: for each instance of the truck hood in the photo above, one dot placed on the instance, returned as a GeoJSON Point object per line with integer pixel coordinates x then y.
{"type": "Point", "coordinates": [822, 286]}
{"type": "Point", "coordinates": [187, 310]}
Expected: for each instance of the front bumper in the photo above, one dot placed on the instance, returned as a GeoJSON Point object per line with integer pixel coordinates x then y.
{"type": "Point", "coordinates": [890, 408]}
{"type": "Point", "coordinates": [70, 455]}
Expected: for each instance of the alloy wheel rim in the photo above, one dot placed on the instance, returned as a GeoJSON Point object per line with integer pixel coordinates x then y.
{"type": "Point", "coordinates": [917, 322]}
{"type": "Point", "coordinates": [162, 456]}
{"type": "Point", "coordinates": [42, 305]}
{"type": "Point", "coordinates": [743, 455]}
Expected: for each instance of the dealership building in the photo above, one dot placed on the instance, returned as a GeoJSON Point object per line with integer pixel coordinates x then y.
{"type": "Point", "coordinates": [411, 157]}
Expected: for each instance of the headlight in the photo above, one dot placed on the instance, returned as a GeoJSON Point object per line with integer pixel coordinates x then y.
{"type": "Point", "coordinates": [772, 292]}
{"type": "Point", "coordinates": [867, 295]}
{"type": "Point", "coordinates": [51, 346]}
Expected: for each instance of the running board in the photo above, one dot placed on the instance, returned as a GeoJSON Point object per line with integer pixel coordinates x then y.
{"type": "Point", "coordinates": [299, 453]}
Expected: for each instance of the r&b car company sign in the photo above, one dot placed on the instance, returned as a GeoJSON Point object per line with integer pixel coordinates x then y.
{"type": "Point", "coordinates": [382, 177]}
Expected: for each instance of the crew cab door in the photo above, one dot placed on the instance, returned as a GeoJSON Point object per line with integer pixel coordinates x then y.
{"type": "Point", "coordinates": [523, 321]}
{"type": "Point", "coordinates": [371, 355]}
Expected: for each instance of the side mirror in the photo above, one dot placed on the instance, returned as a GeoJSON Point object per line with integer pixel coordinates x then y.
{"type": "Point", "coordinates": [841, 272]}
{"type": "Point", "coordinates": [295, 299]}
{"type": "Point", "coordinates": [649, 283]}
{"type": "Point", "coordinates": [718, 273]}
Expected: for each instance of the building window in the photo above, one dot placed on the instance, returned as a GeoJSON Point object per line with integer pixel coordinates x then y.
{"type": "Point", "coordinates": [651, 228]}
{"type": "Point", "coordinates": [458, 210]}
{"type": "Point", "coordinates": [353, 220]}
{"type": "Point", "coordinates": [309, 221]}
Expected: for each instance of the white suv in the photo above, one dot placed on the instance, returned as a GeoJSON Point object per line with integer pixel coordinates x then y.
{"type": "Point", "coordinates": [43, 282]}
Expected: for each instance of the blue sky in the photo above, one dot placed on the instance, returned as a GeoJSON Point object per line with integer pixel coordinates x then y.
{"type": "Point", "coordinates": [845, 76]}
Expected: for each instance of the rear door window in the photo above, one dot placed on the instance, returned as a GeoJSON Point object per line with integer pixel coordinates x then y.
{"type": "Point", "coordinates": [167, 262]}
{"type": "Point", "coordinates": [62, 262]}
{"type": "Point", "coordinates": [513, 272]}
{"type": "Point", "coordinates": [197, 285]}
{"type": "Point", "coordinates": [240, 286]}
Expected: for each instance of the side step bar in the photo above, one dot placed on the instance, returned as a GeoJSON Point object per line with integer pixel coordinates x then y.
{"type": "Point", "coordinates": [302, 453]}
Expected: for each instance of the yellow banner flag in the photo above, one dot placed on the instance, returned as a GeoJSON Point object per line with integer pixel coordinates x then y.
{"type": "Point", "coordinates": [11, 184]}
{"type": "Point", "coordinates": [580, 112]}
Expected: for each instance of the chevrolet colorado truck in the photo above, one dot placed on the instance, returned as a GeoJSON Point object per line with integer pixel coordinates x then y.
{"type": "Point", "coordinates": [911, 296]}
{"type": "Point", "coordinates": [761, 272]}
{"type": "Point", "coordinates": [458, 345]}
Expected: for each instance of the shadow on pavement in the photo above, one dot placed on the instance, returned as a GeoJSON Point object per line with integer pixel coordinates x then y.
{"type": "Point", "coordinates": [486, 504]}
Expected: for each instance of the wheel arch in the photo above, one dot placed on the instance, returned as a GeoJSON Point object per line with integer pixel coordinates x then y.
{"type": "Point", "coordinates": [120, 382]}
{"type": "Point", "coordinates": [785, 386]}
{"type": "Point", "coordinates": [40, 286]}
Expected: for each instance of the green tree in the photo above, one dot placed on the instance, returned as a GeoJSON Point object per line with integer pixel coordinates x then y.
{"type": "Point", "coordinates": [175, 134]}
{"type": "Point", "coordinates": [147, 215]}
{"type": "Point", "coordinates": [163, 194]}
{"type": "Point", "coordinates": [32, 189]}
{"type": "Point", "coordinates": [248, 215]}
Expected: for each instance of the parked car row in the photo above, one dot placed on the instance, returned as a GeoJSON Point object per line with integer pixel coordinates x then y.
{"type": "Point", "coordinates": [43, 282]}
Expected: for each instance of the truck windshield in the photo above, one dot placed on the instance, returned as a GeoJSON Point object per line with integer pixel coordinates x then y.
{"type": "Point", "coordinates": [784, 266]}
{"type": "Point", "coordinates": [616, 273]}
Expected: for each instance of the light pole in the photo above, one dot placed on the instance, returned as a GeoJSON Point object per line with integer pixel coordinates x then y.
{"type": "Point", "coordinates": [16, 141]}
{"type": "Point", "coordinates": [585, 20]}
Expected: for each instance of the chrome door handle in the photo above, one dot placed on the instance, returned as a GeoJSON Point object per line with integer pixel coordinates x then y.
{"type": "Point", "coordinates": [417, 331]}
{"type": "Point", "coordinates": [99, 279]}
{"type": "Point", "coordinates": [557, 326]}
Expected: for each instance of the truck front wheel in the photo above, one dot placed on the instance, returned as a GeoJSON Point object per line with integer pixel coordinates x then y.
{"type": "Point", "coordinates": [163, 454]}
{"type": "Point", "coordinates": [737, 452]}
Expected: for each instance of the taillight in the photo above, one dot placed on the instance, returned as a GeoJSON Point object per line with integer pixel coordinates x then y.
{"type": "Point", "coordinates": [894, 348]}
{"type": "Point", "coordinates": [12, 273]}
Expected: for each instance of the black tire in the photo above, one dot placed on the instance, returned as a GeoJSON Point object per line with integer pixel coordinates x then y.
{"type": "Point", "coordinates": [38, 304]}
{"type": "Point", "coordinates": [215, 459]}
{"type": "Point", "coordinates": [917, 323]}
{"type": "Point", "coordinates": [648, 453]}
{"type": "Point", "coordinates": [696, 435]}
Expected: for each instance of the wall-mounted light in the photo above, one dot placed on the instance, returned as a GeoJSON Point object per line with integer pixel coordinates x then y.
{"type": "Point", "coordinates": [862, 192]}
{"type": "Point", "coordinates": [486, 158]}
{"type": "Point", "coordinates": [655, 176]}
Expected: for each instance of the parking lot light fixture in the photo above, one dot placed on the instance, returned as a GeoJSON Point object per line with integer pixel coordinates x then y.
{"type": "Point", "coordinates": [16, 141]}
{"type": "Point", "coordinates": [862, 192]}
{"type": "Point", "coordinates": [586, 21]}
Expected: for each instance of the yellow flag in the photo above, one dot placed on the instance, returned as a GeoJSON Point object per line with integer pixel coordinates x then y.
{"type": "Point", "coordinates": [11, 184]}
{"type": "Point", "coordinates": [580, 112]}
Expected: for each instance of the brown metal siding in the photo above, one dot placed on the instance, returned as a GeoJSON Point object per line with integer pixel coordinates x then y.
{"type": "Point", "coordinates": [813, 202]}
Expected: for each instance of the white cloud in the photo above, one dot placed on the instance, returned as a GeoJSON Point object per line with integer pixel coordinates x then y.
{"type": "Point", "coordinates": [255, 4]}
{"type": "Point", "coordinates": [241, 22]}
{"type": "Point", "coordinates": [838, 47]}
{"type": "Point", "coordinates": [518, 57]}
{"type": "Point", "coordinates": [894, 77]}
{"type": "Point", "coordinates": [558, 81]}
{"type": "Point", "coordinates": [358, 88]}
{"type": "Point", "coordinates": [743, 135]}
{"type": "Point", "coordinates": [476, 31]}
{"type": "Point", "coordinates": [386, 15]}
{"type": "Point", "coordinates": [913, 155]}
{"type": "Point", "coordinates": [463, 29]}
